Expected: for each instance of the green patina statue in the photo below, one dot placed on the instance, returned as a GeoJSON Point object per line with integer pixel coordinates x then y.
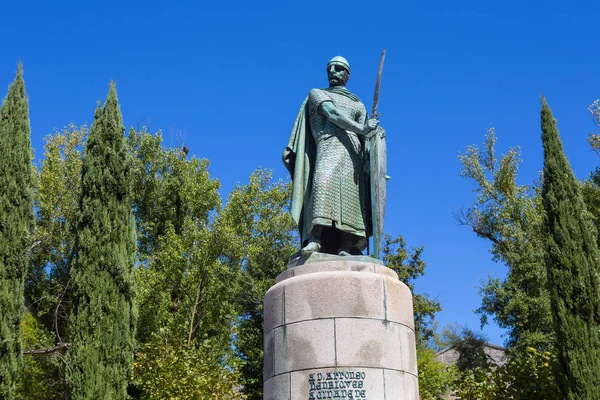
{"type": "Point", "coordinates": [328, 157]}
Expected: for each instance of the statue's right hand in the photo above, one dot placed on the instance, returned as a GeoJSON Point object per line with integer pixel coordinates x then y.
{"type": "Point", "coordinates": [371, 124]}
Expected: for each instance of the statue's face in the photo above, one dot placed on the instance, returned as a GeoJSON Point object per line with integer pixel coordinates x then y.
{"type": "Point", "coordinates": [337, 75]}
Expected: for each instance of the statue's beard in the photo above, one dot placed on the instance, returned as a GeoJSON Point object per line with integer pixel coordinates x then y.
{"type": "Point", "coordinates": [339, 80]}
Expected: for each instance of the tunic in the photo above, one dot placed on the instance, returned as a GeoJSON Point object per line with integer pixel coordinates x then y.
{"type": "Point", "coordinates": [338, 180]}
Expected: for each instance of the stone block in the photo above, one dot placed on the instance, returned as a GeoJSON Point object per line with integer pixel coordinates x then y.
{"type": "Point", "coordinates": [269, 351]}
{"type": "Point", "coordinates": [408, 350]}
{"type": "Point", "coordinates": [399, 303]}
{"type": "Point", "coordinates": [303, 345]}
{"type": "Point", "coordinates": [298, 259]}
{"type": "Point", "coordinates": [334, 294]}
{"type": "Point", "coordinates": [277, 388]}
{"type": "Point", "coordinates": [288, 273]}
{"type": "Point", "coordinates": [368, 343]}
{"type": "Point", "coordinates": [334, 383]}
{"type": "Point", "coordinates": [274, 307]}
{"type": "Point", "coordinates": [400, 385]}
{"type": "Point", "coordinates": [380, 269]}
{"type": "Point", "coordinates": [327, 266]}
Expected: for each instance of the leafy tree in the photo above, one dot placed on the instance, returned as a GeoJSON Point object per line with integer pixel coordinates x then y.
{"type": "Point", "coordinates": [469, 345]}
{"type": "Point", "coordinates": [180, 277]}
{"type": "Point", "coordinates": [168, 187]}
{"type": "Point", "coordinates": [58, 183]}
{"type": "Point", "coordinates": [591, 187]}
{"type": "Point", "coordinates": [475, 385]}
{"type": "Point", "coordinates": [47, 284]}
{"type": "Point", "coordinates": [572, 266]}
{"type": "Point", "coordinates": [409, 265]}
{"type": "Point", "coordinates": [187, 294]}
{"type": "Point", "coordinates": [16, 227]}
{"type": "Point", "coordinates": [594, 138]}
{"type": "Point", "coordinates": [526, 376]}
{"type": "Point", "coordinates": [260, 236]}
{"type": "Point", "coordinates": [473, 366]}
{"type": "Point", "coordinates": [510, 216]}
{"type": "Point", "coordinates": [42, 375]}
{"type": "Point", "coordinates": [435, 378]}
{"type": "Point", "coordinates": [172, 370]}
{"type": "Point", "coordinates": [103, 316]}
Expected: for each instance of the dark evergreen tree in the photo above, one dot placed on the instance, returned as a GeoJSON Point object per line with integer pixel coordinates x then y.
{"type": "Point", "coordinates": [103, 315]}
{"type": "Point", "coordinates": [470, 346]}
{"type": "Point", "coordinates": [572, 266]}
{"type": "Point", "coordinates": [16, 227]}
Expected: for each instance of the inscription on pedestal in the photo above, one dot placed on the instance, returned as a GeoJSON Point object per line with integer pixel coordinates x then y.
{"type": "Point", "coordinates": [337, 385]}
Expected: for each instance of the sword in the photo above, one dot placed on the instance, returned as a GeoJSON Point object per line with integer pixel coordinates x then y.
{"type": "Point", "coordinates": [371, 145]}
{"type": "Point", "coordinates": [374, 113]}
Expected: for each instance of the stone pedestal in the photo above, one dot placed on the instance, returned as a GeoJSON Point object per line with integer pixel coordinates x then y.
{"type": "Point", "coordinates": [339, 329]}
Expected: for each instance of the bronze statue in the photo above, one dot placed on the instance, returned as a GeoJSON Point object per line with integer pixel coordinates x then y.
{"type": "Point", "coordinates": [330, 158]}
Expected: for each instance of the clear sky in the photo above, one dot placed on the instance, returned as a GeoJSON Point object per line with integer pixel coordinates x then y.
{"type": "Point", "coordinates": [231, 77]}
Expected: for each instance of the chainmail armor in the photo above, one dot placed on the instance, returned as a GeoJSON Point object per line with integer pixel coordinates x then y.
{"type": "Point", "coordinates": [338, 185]}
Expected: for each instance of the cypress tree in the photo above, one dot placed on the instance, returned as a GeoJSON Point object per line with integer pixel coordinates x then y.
{"type": "Point", "coordinates": [572, 267]}
{"type": "Point", "coordinates": [103, 316]}
{"type": "Point", "coordinates": [16, 226]}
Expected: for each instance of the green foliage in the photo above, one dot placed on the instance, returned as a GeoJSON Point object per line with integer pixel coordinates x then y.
{"type": "Point", "coordinates": [16, 227]}
{"type": "Point", "coordinates": [187, 296]}
{"type": "Point", "coordinates": [260, 237]}
{"type": "Point", "coordinates": [591, 187]}
{"type": "Point", "coordinates": [42, 375]}
{"type": "Point", "coordinates": [197, 278]}
{"type": "Point", "coordinates": [572, 264]}
{"type": "Point", "coordinates": [192, 257]}
{"type": "Point", "coordinates": [167, 370]}
{"type": "Point", "coordinates": [103, 316]}
{"type": "Point", "coordinates": [470, 347]}
{"type": "Point", "coordinates": [183, 287]}
{"type": "Point", "coordinates": [407, 263]}
{"type": "Point", "coordinates": [47, 288]}
{"type": "Point", "coordinates": [510, 216]}
{"type": "Point", "coordinates": [168, 188]}
{"type": "Point", "coordinates": [594, 138]}
{"type": "Point", "coordinates": [526, 376]}
{"type": "Point", "coordinates": [435, 378]}
{"type": "Point", "coordinates": [58, 183]}
{"type": "Point", "coordinates": [475, 385]}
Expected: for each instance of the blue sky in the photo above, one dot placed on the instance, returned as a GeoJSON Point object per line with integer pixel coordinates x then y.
{"type": "Point", "coordinates": [231, 77]}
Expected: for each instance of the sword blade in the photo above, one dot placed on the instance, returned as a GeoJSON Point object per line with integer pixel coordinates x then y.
{"type": "Point", "coordinates": [374, 113]}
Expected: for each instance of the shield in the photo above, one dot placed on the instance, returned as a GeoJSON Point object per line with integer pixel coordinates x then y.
{"type": "Point", "coordinates": [377, 182]}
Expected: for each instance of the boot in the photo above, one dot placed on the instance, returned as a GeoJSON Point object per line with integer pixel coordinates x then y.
{"type": "Point", "coordinates": [314, 242]}
{"type": "Point", "coordinates": [348, 245]}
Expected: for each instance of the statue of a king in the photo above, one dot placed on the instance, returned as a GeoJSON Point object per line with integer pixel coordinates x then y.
{"type": "Point", "coordinates": [326, 159]}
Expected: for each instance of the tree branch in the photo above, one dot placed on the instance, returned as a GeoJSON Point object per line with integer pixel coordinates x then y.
{"type": "Point", "coordinates": [462, 219]}
{"type": "Point", "coordinates": [487, 235]}
{"type": "Point", "coordinates": [58, 304]}
{"type": "Point", "coordinates": [59, 347]}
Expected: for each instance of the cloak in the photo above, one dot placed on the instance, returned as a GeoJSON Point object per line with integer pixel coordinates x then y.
{"type": "Point", "coordinates": [299, 159]}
